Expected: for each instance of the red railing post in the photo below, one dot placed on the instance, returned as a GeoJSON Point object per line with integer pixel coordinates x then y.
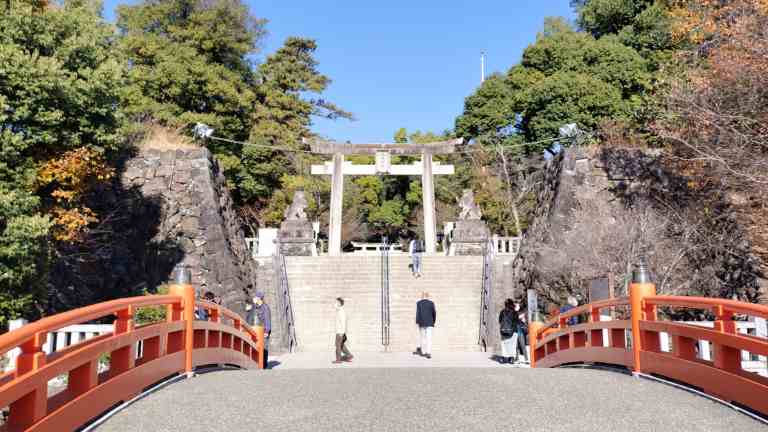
{"type": "Point", "coordinates": [534, 327]}
{"type": "Point", "coordinates": [259, 339]}
{"type": "Point", "coordinates": [595, 336]}
{"type": "Point", "coordinates": [123, 359]}
{"type": "Point", "coordinates": [640, 288]}
{"type": "Point", "coordinates": [726, 358]}
{"type": "Point", "coordinates": [29, 409]}
{"type": "Point", "coordinates": [187, 293]}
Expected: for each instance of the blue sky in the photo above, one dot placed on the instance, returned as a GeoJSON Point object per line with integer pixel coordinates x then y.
{"type": "Point", "coordinates": [403, 63]}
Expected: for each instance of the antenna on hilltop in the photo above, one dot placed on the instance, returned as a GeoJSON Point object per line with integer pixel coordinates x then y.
{"type": "Point", "coordinates": [482, 67]}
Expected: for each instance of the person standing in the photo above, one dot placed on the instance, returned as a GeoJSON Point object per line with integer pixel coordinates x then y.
{"type": "Point", "coordinates": [416, 250]}
{"type": "Point", "coordinates": [259, 314]}
{"type": "Point", "coordinates": [522, 331]}
{"type": "Point", "coordinates": [426, 316]}
{"type": "Point", "coordinates": [342, 353]}
{"type": "Point", "coordinates": [572, 303]}
{"type": "Point", "coordinates": [509, 322]}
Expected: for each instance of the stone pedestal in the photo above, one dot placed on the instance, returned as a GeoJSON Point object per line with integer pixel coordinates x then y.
{"type": "Point", "coordinates": [470, 237]}
{"type": "Point", "coordinates": [296, 238]}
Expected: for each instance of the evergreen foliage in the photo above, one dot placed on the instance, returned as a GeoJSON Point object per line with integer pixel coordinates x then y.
{"type": "Point", "coordinates": [60, 83]}
{"type": "Point", "coordinates": [566, 76]}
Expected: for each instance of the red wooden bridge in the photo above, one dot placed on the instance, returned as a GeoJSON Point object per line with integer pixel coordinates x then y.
{"type": "Point", "coordinates": [180, 344]}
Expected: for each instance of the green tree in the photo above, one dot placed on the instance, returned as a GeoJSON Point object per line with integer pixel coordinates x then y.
{"type": "Point", "coordinates": [24, 255]}
{"type": "Point", "coordinates": [535, 98]}
{"type": "Point", "coordinates": [190, 62]}
{"type": "Point", "coordinates": [283, 116]}
{"type": "Point", "coordinates": [601, 17]}
{"type": "Point", "coordinates": [569, 97]}
{"type": "Point", "coordinates": [645, 25]}
{"type": "Point", "coordinates": [60, 84]}
{"type": "Point", "coordinates": [488, 110]}
{"type": "Point", "coordinates": [401, 136]}
{"type": "Point", "coordinates": [390, 217]}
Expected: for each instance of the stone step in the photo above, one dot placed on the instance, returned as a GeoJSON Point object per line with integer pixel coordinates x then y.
{"type": "Point", "coordinates": [454, 284]}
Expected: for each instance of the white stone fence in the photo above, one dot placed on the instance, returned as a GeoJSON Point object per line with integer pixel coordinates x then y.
{"type": "Point", "coordinates": [376, 248]}
{"type": "Point", "coordinates": [506, 245]}
{"type": "Point", "coordinates": [264, 244]}
{"type": "Point", "coordinates": [60, 339]}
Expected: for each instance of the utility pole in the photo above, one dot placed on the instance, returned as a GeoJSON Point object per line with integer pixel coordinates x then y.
{"type": "Point", "coordinates": [482, 67]}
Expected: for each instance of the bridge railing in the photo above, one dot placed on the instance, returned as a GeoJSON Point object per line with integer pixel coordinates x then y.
{"type": "Point", "coordinates": [559, 342]}
{"type": "Point", "coordinates": [634, 341]}
{"type": "Point", "coordinates": [106, 370]}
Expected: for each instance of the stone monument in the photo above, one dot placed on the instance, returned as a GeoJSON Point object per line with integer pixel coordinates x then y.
{"type": "Point", "coordinates": [296, 237]}
{"type": "Point", "coordinates": [471, 234]}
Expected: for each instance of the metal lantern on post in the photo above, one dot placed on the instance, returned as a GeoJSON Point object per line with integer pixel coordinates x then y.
{"type": "Point", "coordinates": [181, 274]}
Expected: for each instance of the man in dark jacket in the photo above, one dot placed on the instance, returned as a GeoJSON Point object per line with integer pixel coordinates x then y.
{"type": "Point", "coordinates": [261, 315]}
{"type": "Point", "coordinates": [426, 315]}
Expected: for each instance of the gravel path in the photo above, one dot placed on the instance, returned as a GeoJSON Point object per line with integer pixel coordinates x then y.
{"type": "Point", "coordinates": [429, 399]}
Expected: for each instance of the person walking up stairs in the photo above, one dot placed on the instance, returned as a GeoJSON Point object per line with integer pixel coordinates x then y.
{"type": "Point", "coordinates": [416, 251]}
{"type": "Point", "coordinates": [426, 316]}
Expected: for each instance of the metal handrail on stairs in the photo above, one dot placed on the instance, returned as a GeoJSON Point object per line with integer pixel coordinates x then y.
{"type": "Point", "coordinates": [486, 296]}
{"type": "Point", "coordinates": [284, 301]}
{"type": "Point", "coordinates": [385, 318]}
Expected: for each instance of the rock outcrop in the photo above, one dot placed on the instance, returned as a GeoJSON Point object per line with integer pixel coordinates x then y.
{"type": "Point", "coordinates": [197, 224]}
{"type": "Point", "coordinates": [600, 209]}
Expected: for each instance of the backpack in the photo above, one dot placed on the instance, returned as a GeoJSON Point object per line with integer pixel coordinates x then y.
{"type": "Point", "coordinates": [508, 322]}
{"type": "Point", "coordinates": [418, 246]}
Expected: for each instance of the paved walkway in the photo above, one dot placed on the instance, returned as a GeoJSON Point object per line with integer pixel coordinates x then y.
{"type": "Point", "coordinates": [293, 397]}
{"type": "Point", "coordinates": [386, 360]}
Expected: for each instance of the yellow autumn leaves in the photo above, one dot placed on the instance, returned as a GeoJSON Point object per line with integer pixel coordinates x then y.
{"type": "Point", "coordinates": [68, 179]}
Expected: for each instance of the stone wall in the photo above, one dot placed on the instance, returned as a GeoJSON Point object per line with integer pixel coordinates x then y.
{"type": "Point", "coordinates": [718, 259]}
{"type": "Point", "coordinates": [524, 264]}
{"type": "Point", "coordinates": [197, 224]}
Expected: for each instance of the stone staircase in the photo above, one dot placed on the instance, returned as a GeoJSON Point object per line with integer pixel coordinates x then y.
{"type": "Point", "coordinates": [453, 282]}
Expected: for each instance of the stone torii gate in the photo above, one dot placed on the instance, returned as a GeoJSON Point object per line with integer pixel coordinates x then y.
{"type": "Point", "coordinates": [426, 168]}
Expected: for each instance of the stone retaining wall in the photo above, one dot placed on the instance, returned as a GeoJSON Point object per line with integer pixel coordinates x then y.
{"type": "Point", "coordinates": [198, 225]}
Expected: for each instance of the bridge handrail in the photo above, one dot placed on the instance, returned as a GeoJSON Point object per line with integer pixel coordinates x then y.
{"type": "Point", "coordinates": [174, 346]}
{"type": "Point", "coordinates": [217, 311]}
{"type": "Point", "coordinates": [593, 309]}
{"type": "Point", "coordinates": [14, 339]}
{"type": "Point", "coordinates": [557, 342]}
{"type": "Point", "coordinates": [715, 304]}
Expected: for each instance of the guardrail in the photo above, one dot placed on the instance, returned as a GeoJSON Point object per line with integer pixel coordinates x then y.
{"type": "Point", "coordinates": [58, 340]}
{"type": "Point", "coordinates": [177, 345]}
{"type": "Point", "coordinates": [284, 305]}
{"type": "Point", "coordinates": [486, 297]}
{"type": "Point", "coordinates": [506, 245]}
{"type": "Point", "coordinates": [634, 341]}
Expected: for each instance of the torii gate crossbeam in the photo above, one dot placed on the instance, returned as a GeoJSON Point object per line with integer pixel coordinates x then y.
{"type": "Point", "coordinates": [337, 168]}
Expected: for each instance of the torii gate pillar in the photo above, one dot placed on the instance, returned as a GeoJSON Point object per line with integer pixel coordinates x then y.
{"type": "Point", "coordinates": [337, 202]}
{"type": "Point", "coordinates": [428, 198]}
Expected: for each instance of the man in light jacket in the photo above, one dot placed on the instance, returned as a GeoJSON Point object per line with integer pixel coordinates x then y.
{"type": "Point", "coordinates": [342, 353]}
{"type": "Point", "coordinates": [426, 316]}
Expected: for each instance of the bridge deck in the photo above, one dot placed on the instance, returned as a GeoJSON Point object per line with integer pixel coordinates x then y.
{"type": "Point", "coordinates": [293, 398]}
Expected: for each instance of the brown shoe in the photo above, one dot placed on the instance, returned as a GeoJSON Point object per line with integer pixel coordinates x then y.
{"type": "Point", "coordinates": [348, 359]}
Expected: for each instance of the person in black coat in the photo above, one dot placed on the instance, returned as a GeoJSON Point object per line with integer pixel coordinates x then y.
{"type": "Point", "coordinates": [426, 316]}
{"type": "Point", "coordinates": [509, 324]}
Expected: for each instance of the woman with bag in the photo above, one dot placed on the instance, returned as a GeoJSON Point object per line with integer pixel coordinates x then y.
{"type": "Point", "coordinates": [509, 324]}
